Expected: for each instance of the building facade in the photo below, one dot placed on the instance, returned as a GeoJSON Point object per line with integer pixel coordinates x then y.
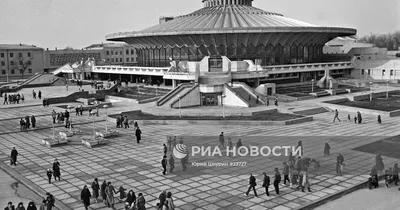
{"type": "Point", "coordinates": [19, 61]}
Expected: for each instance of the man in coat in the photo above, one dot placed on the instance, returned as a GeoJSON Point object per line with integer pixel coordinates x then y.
{"type": "Point", "coordinates": [110, 190]}
{"type": "Point", "coordinates": [85, 197]}
{"type": "Point", "coordinates": [138, 134]}
{"type": "Point", "coordinates": [54, 115]}
{"type": "Point", "coordinates": [27, 122]}
{"type": "Point", "coordinates": [56, 170]}
{"type": "Point", "coordinates": [33, 121]}
{"type": "Point", "coordinates": [162, 198]}
{"type": "Point", "coordinates": [222, 139]}
{"type": "Point", "coordinates": [277, 180]}
{"type": "Point", "coordinates": [253, 184]}
{"type": "Point", "coordinates": [14, 154]}
{"type": "Point", "coordinates": [266, 183]}
{"type": "Point", "coordinates": [164, 164]}
{"type": "Point", "coordinates": [285, 173]}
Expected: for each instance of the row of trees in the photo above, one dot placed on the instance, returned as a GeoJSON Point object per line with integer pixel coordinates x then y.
{"type": "Point", "coordinates": [390, 41]}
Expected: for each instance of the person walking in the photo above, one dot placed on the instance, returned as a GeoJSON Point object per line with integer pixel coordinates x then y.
{"type": "Point", "coordinates": [54, 115]}
{"type": "Point", "coordinates": [56, 170]}
{"type": "Point", "coordinates": [138, 134]}
{"type": "Point", "coordinates": [266, 183]}
{"type": "Point", "coordinates": [239, 144]}
{"type": "Point", "coordinates": [276, 100]}
{"type": "Point", "coordinates": [170, 202]}
{"type": "Point", "coordinates": [162, 198]}
{"type": "Point", "coordinates": [31, 206]}
{"type": "Point", "coordinates": [306, 182]}
{"type": "Point", "coordinates": [33, 121]}
{"type": "Point", "coordinates": [300, 145]}
{"type": "Point", "coordinates": [277, 180]}
{"type": "Point", "coordinates": [141, 202]}
{"type": "Point", "coordinates": [164, 164]}
{"type": "Point", "coordinates": [81, 110]}
{"type": "Point", "coordinates": [126, 122]}
{"type": "Point", "coordinates": [131, 199]}
{"type": "Point", "coordinates": [359, 117]}
{"type": "Point", "coordinates": [253, 184]}
{"type": "Point", "coordinates": [336, 115]}
{"type": "Point", "coordinates": [171, 163]}
{"type": "Point", "coordinates": [285, 174]}
{"type": "Point", "coordinates": [339, 163]}
{"type": "Point", "coordinates": [66, 116]}
{"type": "Point", "coordinates": [85, 197]}
{"type": "Point", "coordinates": [27, 122]}
{"type": "Point", "coordinates": [20, 206]}
{"type": "Point", "coordinates": [34, 94]}
{"type": "Point", "coordinates": [222, 139]}
{"type": "Point", "coordinates": [379, 119]}
{"type": "Point", "coordinates": [327, 149]}
{"type": "Point", "coordinates": [110, 190]}
{"type": "Point", "coordinates": [50, 201]}
{"type": "Point", "coordinates": [40, 94]}
{"type": "Point", "coordinates": [14, 155]}
{"type": "Point", "coordinates": [103, 192]}
{"type": "Point", "coordinates": [43, 205]}
{"type": "Point", "coordinates": [49, 175]}
{"type": "Point", "coordinates": [165, 149]}
{"type": "Point", "coordinates": [5, 99]}
{"type": "Point", "coordinates": [348, 118]}
{"type": "Point", "coordinates": [95, 189]}
{"type": "Point", "coordinates": [395, 174]}
{"type": "Point", "coordinates": [9, 206]}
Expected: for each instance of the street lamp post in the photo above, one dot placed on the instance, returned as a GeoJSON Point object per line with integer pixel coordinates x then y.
{"type": "Point", "coordinates": [312, 85]}
{"type": "Point", "coordinates": [105, 107]}
{"type": "Point", "coordinates": [370, 95]}
{"type": "Point", "coordinates": [93, 113]}
{"type": "Point", "coordinates": [387, 89]}
{"type": "Point", "coordinates": [180, 112]}
{"type": "Point", "coordinates": [70, 116]}
{"type": "Point", "coordinates": [223, 106]}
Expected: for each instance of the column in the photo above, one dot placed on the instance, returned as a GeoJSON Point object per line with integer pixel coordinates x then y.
{"type": "Point", "coordinates": [173, 84]}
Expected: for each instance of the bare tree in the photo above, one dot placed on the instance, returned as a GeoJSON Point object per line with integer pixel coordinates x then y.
{"type": "Point", "coordinates": [390, 41]}
{"type": "Point", "coordinates": [21, 64]}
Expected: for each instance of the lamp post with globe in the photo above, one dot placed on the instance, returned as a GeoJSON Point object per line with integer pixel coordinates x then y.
{"type": "Point", "coordinates": [93, 113]}
{"type": "Point", "coordinates": [70, 116]}
{"type": "Point", "coordinates": [105, 107]}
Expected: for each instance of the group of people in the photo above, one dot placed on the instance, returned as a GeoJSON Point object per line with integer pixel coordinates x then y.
{"type": "Point", "coordinates": [13, 98]}
{"type": "Point", "coordinates": [106, 192]}
{"type": "Point", "coordinates": [357, 117]}
{"type": "Point", "coordinates": [267, 100]}
{"type": "Point", "coordinates": [123, 122]}
{"type": "Point", "coordinates": [27, 122]}
{"type": "Point", "coordinates": [47, 204]}
{"type": "Point", "coordinates": [62, 118]}
{"type": "Point", "coordinates": [390, 176]}
{"type": "Point", "coordinates": [172, 142]}
{"type": "Point", "coordinates": [56, 172]}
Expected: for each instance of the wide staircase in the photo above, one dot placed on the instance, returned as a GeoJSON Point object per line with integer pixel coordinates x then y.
{"type": "Point", "coordinates": [41, 78]}
{"type": "Point", "coordinates": [245, 95]}
{"type": "Point", "coordinates": [167, 99]}
{"type": "Point", "coordinates": [32, 78]}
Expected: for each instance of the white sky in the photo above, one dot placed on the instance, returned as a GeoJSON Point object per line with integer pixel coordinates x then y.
{"type": "Point", "coordinates": [79, 23]}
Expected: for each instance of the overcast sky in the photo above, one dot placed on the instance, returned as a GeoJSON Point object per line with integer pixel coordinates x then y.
{"type": "Point", "coordinates": [79, 23]}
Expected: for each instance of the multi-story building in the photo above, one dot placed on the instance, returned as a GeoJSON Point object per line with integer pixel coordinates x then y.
{"type": "Point", "coordinates": [116, 53]}
{"type": "Point", "coordinates": [18, 61]}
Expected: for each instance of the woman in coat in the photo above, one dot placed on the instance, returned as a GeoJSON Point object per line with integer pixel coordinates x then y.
{"type": "Point", "coordinates": [20, 206]}
{"type": "Point", "coordinates": [31, 206]}
{"type": "Point", "coordinates": [141, 202]}
{"type": "Point", "coordinates": [131, 198]}
{"type": "Point", "coordinates": [110, 191]}
{"type": "Point", "coordinates": [95, 189]}
{"type": "Point", "coordinates": [103, 192]}
{"type": "Point", "coordinates": [170, 202]}
{"type": "Point", "coordinates": [327, 149]}
{"type": "Point", "coordinates": [85, 196]}
{"type": "Point", "coordinates": [138, 134]}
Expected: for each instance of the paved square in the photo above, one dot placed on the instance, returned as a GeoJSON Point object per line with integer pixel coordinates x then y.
{"type": "Point", "coordinates": [137, 167]}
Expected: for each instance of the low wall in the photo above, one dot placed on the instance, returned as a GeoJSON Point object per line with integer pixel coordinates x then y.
{"type": "Point", "coordinates": [109, 98]}
{"type": "Point", "coordinates": [354, 110]}
{"type": "Point", "coordinates": [99, 95]}
{"type": "Point", "coordinates": [149, 100]}
{"type": "Point", "coordinates": [374, 95]}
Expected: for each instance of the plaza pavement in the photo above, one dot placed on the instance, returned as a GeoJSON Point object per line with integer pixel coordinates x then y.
{"type": "Point", "coordinates": [137, 167]}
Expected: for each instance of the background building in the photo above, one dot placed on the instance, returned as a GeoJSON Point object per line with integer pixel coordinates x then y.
{"type": "Point", "coordinates": [18, 61]}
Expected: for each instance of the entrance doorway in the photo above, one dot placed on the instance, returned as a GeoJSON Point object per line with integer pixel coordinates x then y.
{"type": "Point", "coordinates": [210, 99]}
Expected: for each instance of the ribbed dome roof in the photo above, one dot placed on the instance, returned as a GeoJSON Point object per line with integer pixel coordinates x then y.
{"type": "Point", "coordinates": [226, 17]}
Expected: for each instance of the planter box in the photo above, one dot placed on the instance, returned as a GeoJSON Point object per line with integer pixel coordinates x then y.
{"type": "Point", "coordinates": [66, 134]}
{"type": "Point", "coordinates": [89, 142]}
{"type": "Point", "coordinates": [58, 140]}
{"type": "Point", "coordinates": [109, 133]}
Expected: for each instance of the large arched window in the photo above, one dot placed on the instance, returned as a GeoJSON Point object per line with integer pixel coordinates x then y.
{"type": "Point", "coordinates": [300, 52]}
{"type": "Point", "coordinates": [231, 52]}
{"type": "Point", "coordinates": [293, 54]}
{"type": "Point", "coordinates": [305, 54]}
{"type": "Point", "coordinates": [221, 50]}
{"type": "Point", "coordinates": [286, 54]}
{"type": "Point", "coordinates": [270, 55]}
{"type": "Point", "coordinates": [203, 51]}
{"type": "Point", "coordinates": [261, 53]}
{"type": "Point", "coordinates": [241, 52]}
{"type": "Point", "coordinates": [278, 54]}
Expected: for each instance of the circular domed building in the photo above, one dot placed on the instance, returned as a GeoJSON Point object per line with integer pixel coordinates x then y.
{"type": "Point", "coordinates": [231, 28]}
